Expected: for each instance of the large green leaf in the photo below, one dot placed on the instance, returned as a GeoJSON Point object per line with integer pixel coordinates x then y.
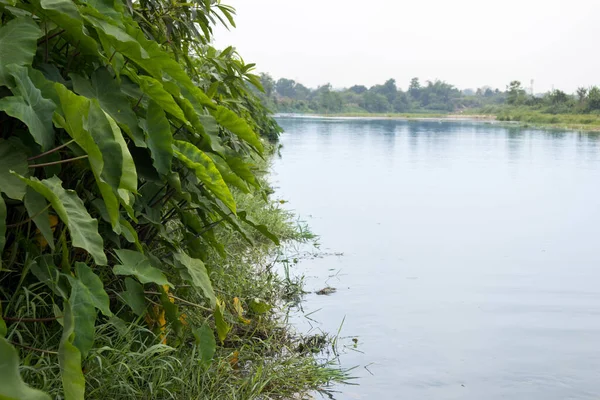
{"type": "Point", "coordinates": [205, 342]}
{"type": "Point", "coordinates": [69, 359]}
{"type": "Point", "coordinates": [198, 274]}
{"type": "Point", "coordinates": [44, 269]}
{"type": "Point", "coordinates": [75, 109]}
{"type": "Point", "coordinates": [243, 215]}
{"type": "Point", "coordinates": [229, 120]}
{"type": "Point", "coordinates": [155, 90]}
{"type": "Point", "coordinates": [84, 315]}
{"type": "Point", "coordinates": [12, 159]}
{"type": "Point", "coordinates": [2, 225]}
{"type": "Point", "coordinates": [109, 138]}
{"type": "Point", "coordinates": [205, 170]}
{"type": "Point", "coordinates": [159, 138]}
{"type": "Point", "coordinates": [104, 88]}
{"type": "Point", "coordinates": [118, 38]}
{"type": "Point", "coordinates": [137, 264]}
{"type": "Point", "coordinates": [12, 386]}
{"type": "Point", "coordinates": [18, 44]}
{"type": "Point", "coordinates": [69, 207]}
{"type": "Point", "coordinates": [93, 285]}
{"type": "Point", "coordinates": [65, 14]}
{"type": "Point", "coordinates": [228, 175]}
{"type": "Point", "coordinates": [223, 326]}
{"type": "Point", "coordinates": [242, 169]}
{"type": "Point", "coordinates": [134, 296]}
{"type": "Point", "coordinates": [29, 106]}
{"type": "Point", "coordinates": [36, 206]}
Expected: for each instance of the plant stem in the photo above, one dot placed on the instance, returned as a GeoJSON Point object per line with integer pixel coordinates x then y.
{"type": "Point", "coordinates": [34, 349]}
{"type": "Point", "coordinates": [51, 150]}
{"type": "Point", "coordinates": [57, 162]}
{"type": "Point", "coordinates": [17, 319]}
{"type": "Point", "coordinates": [182, 301]}
{"type": "Point", "coordinates": [47, 38]}
{"type": "Point", "coordinates": [28, 219]}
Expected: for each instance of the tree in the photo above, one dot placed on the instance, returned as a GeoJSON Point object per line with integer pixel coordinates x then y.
{"type": "Point", "coordinates": [414, 88]}
{"type": "Point", "coordinates": [286, 88]}
{"type": "Point", "coordinates": [558, 97]}
{"type": "Point", "coordinates": [375, 102]}
{"type": "Point", "coordinates": [358, 89]}
{"type": "Point", "coordinates": [401, 102]}
{"type": "Point", "coordinates": [268, 83]}
{"type": "Point", "coordinates": [582, 94]}
{"type": "Point", "coordinates": [516, 93]}
{"type": "Point", "coordinates": [593, 99]}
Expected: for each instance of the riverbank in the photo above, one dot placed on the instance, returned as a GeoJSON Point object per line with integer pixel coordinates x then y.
{"type": "Point", "coordinates": [260, 354]}
{"type": "Point", "coordinates": [538, 120]}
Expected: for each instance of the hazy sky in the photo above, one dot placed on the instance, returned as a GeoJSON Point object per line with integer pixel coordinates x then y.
{"type": "Point", "coordinates": [469, 43]}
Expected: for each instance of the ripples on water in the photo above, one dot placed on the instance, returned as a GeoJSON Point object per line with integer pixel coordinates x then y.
{"type": "Point", "coordinates": [471, 257]}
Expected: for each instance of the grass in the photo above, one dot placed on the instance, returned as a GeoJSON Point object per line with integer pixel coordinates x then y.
{"type": "Point", "coordinates": [262, 359]}
{"type": "Point", "coordinates": [537, 118]}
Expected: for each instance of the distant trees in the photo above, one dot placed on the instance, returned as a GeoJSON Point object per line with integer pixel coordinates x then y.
{"type": "Point", "coordinates": [515, 93]}
{"type": "Point", "coordinates": [358, 89]}
{"type": "Point", "coordinates": [287, 95]}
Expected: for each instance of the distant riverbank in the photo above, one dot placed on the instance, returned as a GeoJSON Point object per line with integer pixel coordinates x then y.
{"type": "Point", "coordinates": [575, 122]}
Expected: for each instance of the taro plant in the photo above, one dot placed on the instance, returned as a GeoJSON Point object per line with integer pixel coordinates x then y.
{"type": "Point", "coordinates": [122, 135]}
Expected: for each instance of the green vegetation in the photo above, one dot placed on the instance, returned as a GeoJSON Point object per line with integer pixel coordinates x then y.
{"type": "Point", "coordinates": [436, 99]}
{"type": "Point", "coordinates": [137, 235]}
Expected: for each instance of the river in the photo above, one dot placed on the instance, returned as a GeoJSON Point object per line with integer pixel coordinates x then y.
{"type": "Point", "coordinates": [471, 262]}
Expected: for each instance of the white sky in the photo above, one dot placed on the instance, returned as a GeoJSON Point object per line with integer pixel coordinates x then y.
{"type": "Point", "coordinates": [468, 43]}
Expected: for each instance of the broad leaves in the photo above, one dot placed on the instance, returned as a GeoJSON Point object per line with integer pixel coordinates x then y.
{"type": "Point", "coordinates": [198, 275]}
{"type": "Point", "coordinates": [205, 342]}
{"type": "Point", "coordinates": [159, 138]}
{"type": "Point", "coordinates": [37, 208]}
{"type": "Point", "coordinates": [18, 43]}
{"type": "Point", "coordinates": [223, 326]}
{"type": "Point", "coordinates": [237, 125]}
{"type": "Point", "coordinates": [69, 359]}
{"type": "Point", "coordinates": [205, 170]}
{"type": "Point", "coordinates": [29, 106]}
{"type": "Point", "coordinates": [137, 264]}
{"type": "Point", "coordinates": [65, 14]}
{"type": "Point", "coordinates": [104, 88]}
{"type": "Point", "coordinates": [134, 296]}
{"type": "Point", "coordinates": [71, 210]}
{"type": "Point", "coordinates": [12, 386]}
{"type": "Point", "coordinates": [13, 160]}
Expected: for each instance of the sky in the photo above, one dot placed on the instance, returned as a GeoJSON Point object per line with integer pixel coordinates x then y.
{"type": "Point", "coordinates": [468, 43]}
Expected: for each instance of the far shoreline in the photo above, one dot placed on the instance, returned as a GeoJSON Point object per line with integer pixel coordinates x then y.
{"type": "Point", "coordinates": [484, 118]}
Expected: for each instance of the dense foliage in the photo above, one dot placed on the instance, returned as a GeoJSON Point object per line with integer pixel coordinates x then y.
{"type": "Point", "coordinates": [126, 141]}
{"type": "Point", "coordinates": [288, 96]}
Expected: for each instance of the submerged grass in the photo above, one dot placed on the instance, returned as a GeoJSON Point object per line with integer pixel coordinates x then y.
{"type": "Point", "coordinates": [262, 357]}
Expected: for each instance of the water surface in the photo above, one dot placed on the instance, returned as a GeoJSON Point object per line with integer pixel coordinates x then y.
{"type": "Point", "coordinates": [470, 265]}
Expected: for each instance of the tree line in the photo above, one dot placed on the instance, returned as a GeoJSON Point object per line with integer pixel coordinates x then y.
{"type": "Point", "coordinates": [288, 96]}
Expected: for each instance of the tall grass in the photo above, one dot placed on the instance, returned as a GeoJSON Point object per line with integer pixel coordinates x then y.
{"type": "Point", "coordinates": [262, 359]}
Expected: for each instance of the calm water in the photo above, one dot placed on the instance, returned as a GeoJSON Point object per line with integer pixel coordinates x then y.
{"type": "Point", "coordinates": [471, 266]}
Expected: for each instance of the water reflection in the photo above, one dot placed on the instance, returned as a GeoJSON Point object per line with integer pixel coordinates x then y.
{"type": "Point", "coordinates": [470, 262]}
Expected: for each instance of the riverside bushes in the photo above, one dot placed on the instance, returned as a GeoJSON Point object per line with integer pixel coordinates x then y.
{"type": "Point", "coordinates": [130, 267]}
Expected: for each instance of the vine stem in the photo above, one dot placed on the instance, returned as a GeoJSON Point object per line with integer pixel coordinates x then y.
{"type": "Point", "coordinates": [34, 348]}
{"type": "Point", "coordinates": [46, 38]}
{"type": "Point", "coordinates": [17, 319]}
{"type": "Point", "coordinates": [57, 162]}
{"type": "Point", "coordinates": [179, 299]}
{"type": "Point", "coordinates": [22, 223]}
{"type": "Point", "coordinates": [51, 150]}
